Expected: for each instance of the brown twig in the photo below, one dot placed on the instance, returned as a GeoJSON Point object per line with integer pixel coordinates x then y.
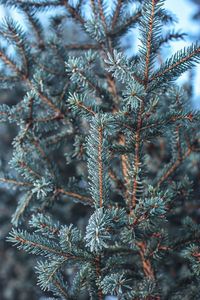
{"type": "Point", "coordinates": [124, 164]}
{"type": "Point", "coordinates": [174, 166]}
{"type": "Point", "coordinates": [86, 108]}
{"type": "Point", "coordinates": [146, 264]}
{"type": "Point", "coordinates": [82, 198]}
{"type": "Point", "coordinates": [23, 165]}
{"type": "Point", "coordinates": [44, 98]}
{"type": "Point", "coordinates": [8, 62]}
{"type": "Point", "coordinates": [73, 12]}
{"type": "Point", "coordinates": [116, 14]}
{"type": "Point", "coordinates": [15, 182]}
{"type": "Point", "coordinates": [60, 288]}
{"type": "Point", "coordinates": [44, 248]}
{"type": "Point", "coordinates": [149, 41]}
{"type": "Point", "coordinates": [171, 119]}
{"type": "Point", "coordinates": [102, 16]}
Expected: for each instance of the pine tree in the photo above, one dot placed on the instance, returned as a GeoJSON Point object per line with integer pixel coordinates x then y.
{"type": "Point", "coordinates": [102, 118]}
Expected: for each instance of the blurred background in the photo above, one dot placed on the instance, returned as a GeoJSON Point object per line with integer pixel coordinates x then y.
{"type": "Point", "coordinates": [17, 278]}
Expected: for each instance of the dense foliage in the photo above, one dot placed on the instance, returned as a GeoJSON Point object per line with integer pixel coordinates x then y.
{"type": "Point", "coordinates": [113, 133]}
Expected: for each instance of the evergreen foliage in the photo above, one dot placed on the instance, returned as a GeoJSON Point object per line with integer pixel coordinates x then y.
{"type": "Point", "coordinates": [91, 112]}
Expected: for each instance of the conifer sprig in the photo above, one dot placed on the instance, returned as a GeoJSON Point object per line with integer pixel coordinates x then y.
{"type": "Point", "coordinates": [98, 161]}
{"type": "Point", "coordinates": [112, 133]}
{"type": "Point", "coordinates": [177, 64]}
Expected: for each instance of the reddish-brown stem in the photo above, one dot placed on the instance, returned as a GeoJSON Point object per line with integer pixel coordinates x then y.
{"type": "Point", "coordinates": [149, 41]}
{"type": "Point", "coordinates": [171, 119]}
{"type": "Point", "coordinates": [44, 98]}
{"type": "Point", "coordinates": [124, 163]}
{"type": "Point", "coordinates": [146, 264]}
{"type": "Point", "coordinates": [23, 165]}
{"type": "Point", "coordinates": [21, 49]}
{"type": "Point", "coordinates": [86, 108]}
{"type": "Point", "coordinates": [73, 12]}
{"type": "Point", "coordinates": [15, 182]}
{"type": "Point", "coordinates": [44, 247]}
{"type": "Point", "coordinates": [116, 14]}
{"type": "Point", "coordinates": [82, 198]}
{"type": "Point", "coordinates": [102, 16]}
{"type": "Point", "coordinates": [173, 168]}
{"type": "Point", "coordinates": [60, 288]}
{"type": "Point", "coordinates": [9, 63]}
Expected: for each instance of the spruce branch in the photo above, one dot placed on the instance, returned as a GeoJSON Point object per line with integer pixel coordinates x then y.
{"type": "Point", "coordinates": [82, 198]}
{"type": "Point", "coordinates": [102, 15]}
{"type": "Point", "coordinates": [170, 36]}
{"type": "Point", "coordinates": [35, 25]}
{"type": "Point", "coordinates": [180, 62]}
{"type": "Point", "coordinates": [137, 157]}
{"type": "Point", "coordinates": [27, 171]}
{"type": "Point", "coordinates": [77, 105]}
{"type": "Point", "coordinates": [44, 4]}
{"type": "Point", "coordinates": [61, 289]}
{"type": "Point", "coordinates": [48, 273]}
{"type": "Point", "coordinates": [150, 32]}
{"type": "Point", "coordinates": [124, 162]}
{"type": "Point", "coordinates": [122, 28]}
{"type": "Point", "coordinates": [34, 244]}
{"type": "Point", "coordinates": [174, 166]}
{"type": "Point", "coordinates": [22, 206]}
{"type": "Point", "coordinates": [15, 182]}
{"type": "Point", "coordinates": [98, 161]}
{"type": "Point", "coordinates": [43, 224]}
{"type": "Point", "coordinates": [13, 32]}
{"type": "Point", "coordinates": [73, 12]}
{"type": "Point", "coordinates": [116, 13]}
{"type": "Point", "coordinates": [43, 154]}
{"type": "Point", "coordinates": [149, 41]}
{"type": "Point", "coordinates": [8, 61]}
{"type": "Point", "coordinates": [146, 264]}
{"type": "Point", "coordinates": [44, 98]}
